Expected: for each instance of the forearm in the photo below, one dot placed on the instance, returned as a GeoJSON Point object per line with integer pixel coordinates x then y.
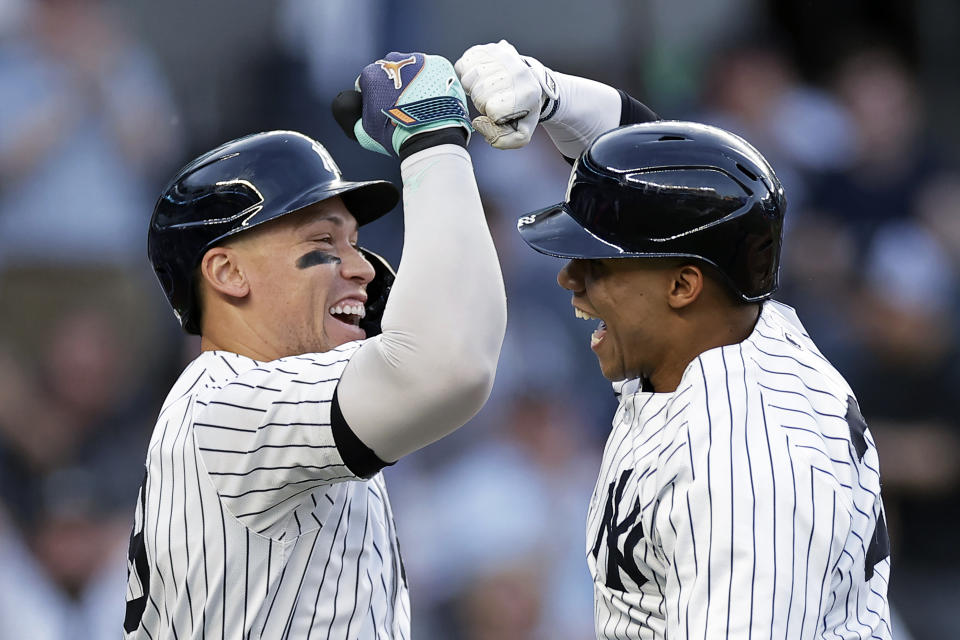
{"type": "Point", "coordinates": [514, 93]}
{"type": "Point", "coordinates": [586, 109]}
{"type": "Point", "coordinates": [432, 368]}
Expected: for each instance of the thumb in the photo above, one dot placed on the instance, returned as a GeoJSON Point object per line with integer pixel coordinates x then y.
{"type": "Point", "coordinates": [489, 129]}
{"type": "Point", "coordinates": [512, 135]}
{"type": "Point", "coordinates": [347, 108]}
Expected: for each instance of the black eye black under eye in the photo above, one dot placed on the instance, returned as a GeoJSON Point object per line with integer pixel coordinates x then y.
{"type": "Point", "coordinates": [315, 257]}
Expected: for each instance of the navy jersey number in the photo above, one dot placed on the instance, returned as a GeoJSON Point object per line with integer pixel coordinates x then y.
{"type": "Point", "coordinates": [137, 556]}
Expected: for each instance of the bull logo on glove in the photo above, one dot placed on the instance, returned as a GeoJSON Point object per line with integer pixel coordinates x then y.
{"type": "Point", "coordinates": [392, 69]}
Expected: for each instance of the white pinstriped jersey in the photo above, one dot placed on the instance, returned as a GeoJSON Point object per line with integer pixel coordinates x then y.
{"type": "Point", "coordinates": [249, 524]}
{"type": "Point", "coordinates": [746, 504]}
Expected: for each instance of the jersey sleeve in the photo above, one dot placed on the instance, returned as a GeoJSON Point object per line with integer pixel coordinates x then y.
{"type": "Point", "coordinates": [268, 436]}
{"type": "Point", "coordinates": [751, 524]}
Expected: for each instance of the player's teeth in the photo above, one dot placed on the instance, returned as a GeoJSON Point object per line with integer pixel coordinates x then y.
{"type": "Point", "coordinates": [594, 339]}
{"type": "Point", "coordinates": [353, 309]}
{"type": "Point", "coordinates": [583, 315]}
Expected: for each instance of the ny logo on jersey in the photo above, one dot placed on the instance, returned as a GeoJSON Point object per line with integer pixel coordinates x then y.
{"type": "Point", "coordinates": [392, 69]}
{"type": "Point", "coordinates": [613, 527]}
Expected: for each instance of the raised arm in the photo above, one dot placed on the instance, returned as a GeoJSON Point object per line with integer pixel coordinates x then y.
{"type": "Point", "coordinates": [514, 93]}
{"type": "Point", "coordinates": [433, 366]}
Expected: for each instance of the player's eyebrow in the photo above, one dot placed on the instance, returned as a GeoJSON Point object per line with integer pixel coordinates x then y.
{"type": "Point", "coordinates": [325, 216]}
{"type": "Point", "coordinates": [336, 218]}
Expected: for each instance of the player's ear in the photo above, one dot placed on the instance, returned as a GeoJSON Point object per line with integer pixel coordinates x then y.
{"type": "Point", "coordinates": [221, 270]}
{"type": "Point", "coordinates": [686, 285]}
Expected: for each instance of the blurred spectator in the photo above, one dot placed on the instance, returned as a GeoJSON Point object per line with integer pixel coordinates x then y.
{"type": "Point", "coordinates": [876, 185]}
{"type": "Point", "coordinates": [753, 90]}
{"type": "Point", "coordinates": [938, 208]}
{"type": "Point", "coordinates": [72, 434]}
{"type": "Point", "coordinates": [503, 602]}
{"type": "Point", "coordinates": [33, 606]}
{"type": "Point", "coordinates": [88, 125]}
{"type": "Point", "coordinates": [892, 159]}
{"type": "Point", "coordinates": [906, 380]}
{"type": "Point", "coordinates": [335, 38]}
{"type": "Point", "coordinates": [819, 274]}
{"type": "Point", "coordinates": [12, 15]}
{"type": "Point", "coordinates": [86, 119]}
{"type": "Point", "coordinates": [507, 514]}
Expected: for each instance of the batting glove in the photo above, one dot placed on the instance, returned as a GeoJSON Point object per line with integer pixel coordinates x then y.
{"type": "Point", "coordinates": [512, 92]}
{"type": "Point", "coordinates": [400, 97]}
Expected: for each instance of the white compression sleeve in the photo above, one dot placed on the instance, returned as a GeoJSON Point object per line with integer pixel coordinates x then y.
{"type": "Point", "coordinates": [433, 366]}
{"type": "Point", "coordinates": [587, 108]}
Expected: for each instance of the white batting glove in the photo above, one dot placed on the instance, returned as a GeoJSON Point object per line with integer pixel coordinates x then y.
{"type": "Point", "coordinates": [509, 90]}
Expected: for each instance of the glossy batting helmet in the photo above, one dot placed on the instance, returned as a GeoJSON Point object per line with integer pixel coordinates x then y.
{"type": "Point", "coordinates": [245, 183]}
{"type": "Point", "coordinates": [670, 189]}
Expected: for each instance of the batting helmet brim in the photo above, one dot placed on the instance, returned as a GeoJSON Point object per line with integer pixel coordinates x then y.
{"type": "Point", "coordinates": [554, 232]}
{"type": "Point", "coordinates": [366, 201]}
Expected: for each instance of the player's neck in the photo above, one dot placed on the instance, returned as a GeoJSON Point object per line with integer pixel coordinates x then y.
{"type": "Point", "coordinates": [228, 333]}
{"type": "Point", "coordinates": [707, 330]}
{"type": "Point", "coordinates": [252, 351]}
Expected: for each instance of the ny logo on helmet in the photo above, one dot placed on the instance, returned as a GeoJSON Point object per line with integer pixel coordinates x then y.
{"type": "Point", "coordinates": [392, 69]}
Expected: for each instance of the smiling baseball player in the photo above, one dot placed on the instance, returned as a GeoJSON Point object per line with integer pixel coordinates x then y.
{"type": "Point", "coordinates": [739, 493]}
{"type": "Point", "coordinates": [263, 513]}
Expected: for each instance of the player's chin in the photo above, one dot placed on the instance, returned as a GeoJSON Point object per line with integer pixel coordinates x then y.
{"type": "Point", "coordinates": [611, 372]}
{"type": "Point", "coordinates": [611, 366]}
{"type": "Point", "coordinates": [340, 332]}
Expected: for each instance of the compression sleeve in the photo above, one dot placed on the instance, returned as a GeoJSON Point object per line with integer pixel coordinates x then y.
{"type": "Point", "coordinates": [588, 108]}
{"type": "Point", "coordinates": [433, 366]}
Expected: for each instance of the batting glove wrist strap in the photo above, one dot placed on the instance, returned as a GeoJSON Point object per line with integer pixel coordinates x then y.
{"type": "Point", "coordinates": [400, 96]}
{"type": "Point", "coordinates": [549, 88]}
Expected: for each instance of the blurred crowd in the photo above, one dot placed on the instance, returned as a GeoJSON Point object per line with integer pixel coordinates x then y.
{"type": "Point", "coordinates": [491, 519]}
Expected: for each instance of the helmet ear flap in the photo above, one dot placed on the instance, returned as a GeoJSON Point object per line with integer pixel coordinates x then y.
{"type": "Point", "coordinates": [377, 292]}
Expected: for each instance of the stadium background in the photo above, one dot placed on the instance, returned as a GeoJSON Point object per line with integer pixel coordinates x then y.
{"type": "Point", "coordinates": [854, 102]}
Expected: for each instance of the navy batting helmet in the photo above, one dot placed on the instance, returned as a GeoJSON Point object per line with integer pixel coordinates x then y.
{"type": "Point", "coordinates": [245, 183]}
{"type": "Point", "coordinates": [670, 189]}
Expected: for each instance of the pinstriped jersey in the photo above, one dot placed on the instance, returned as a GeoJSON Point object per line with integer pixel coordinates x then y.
{"type": "Point", "coordinates": [249, 524]}
{"type": "Point", "coordinates": [745, 504]}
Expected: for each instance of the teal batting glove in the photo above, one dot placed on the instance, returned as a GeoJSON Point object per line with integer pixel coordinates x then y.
{"type": "Point", "coordinates": [402, 96]}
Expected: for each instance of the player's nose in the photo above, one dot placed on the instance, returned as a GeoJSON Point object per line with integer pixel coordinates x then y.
{"type": "Point", "coordinates": [354, 266]}
{"type": "Point", "coordinates": [570, 276]}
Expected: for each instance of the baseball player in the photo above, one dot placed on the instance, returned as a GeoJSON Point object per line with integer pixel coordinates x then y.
{"type": "Point", "coordinates": [739, 493]}
{"type": "Point", "coordinates": [263, 513]}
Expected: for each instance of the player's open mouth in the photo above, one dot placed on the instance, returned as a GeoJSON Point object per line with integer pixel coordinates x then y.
{"type": "Point", "coordinates": [348, 313]}
{"type": "Point", "coordinates": [598, 334]}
